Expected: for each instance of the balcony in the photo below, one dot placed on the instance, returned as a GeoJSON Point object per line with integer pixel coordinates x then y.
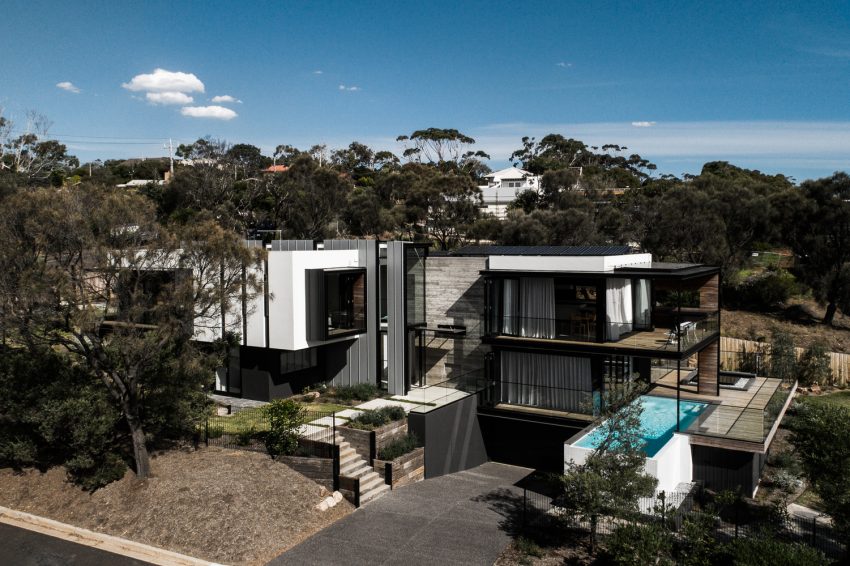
{"type": "Point", "coordinates": [584, 332]}
{"type": "Point", "coordinates": [743, 418]}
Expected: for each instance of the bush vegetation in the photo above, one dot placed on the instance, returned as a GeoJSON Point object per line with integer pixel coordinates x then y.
{"type": "Point", "coordinates": [399, 447]}
{"type": "Point", "coordinates": [814, 367]}
{"type": "Point", "coordinates": [372, 419]}
{"type": "Point", "coordinates": [359, 392]}
{"type": "Point", "coordinates": [761, 292]}
{"type": "Point", "coordinates": [51, 413]}
{"type": "Point", "coordinates": [285, 416]}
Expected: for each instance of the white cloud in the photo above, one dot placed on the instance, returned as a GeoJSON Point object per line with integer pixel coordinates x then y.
{"type": "Point", "coordinates": [215, 112]}
{"type": "Point", "coordinates": [165, 81]}
{"type": "Point", "coordinates": [168, 98]}
{"type": "Point", "coordinates": [68, 86]}
{"type": "Point", "coordinates": [643, 124]}
{"type": "Point", "coordinates": [225, 98]}
{"type": "Point", "coordinates": [563, 64]}
{"type": "Point", "coordinates": [318, 72]}
{"type": "Point", "coordinates": [349, 88]}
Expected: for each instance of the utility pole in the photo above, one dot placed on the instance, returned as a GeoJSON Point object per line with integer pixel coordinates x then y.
{"type": "Point", "coordinates": [171, 156]}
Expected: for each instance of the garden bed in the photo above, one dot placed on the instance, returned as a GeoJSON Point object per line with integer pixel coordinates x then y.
{"type": "Point", "coordinates": [367, 440]}
{"type": "Point", "coordinates": [226, 506]}
{"type": "Point", "coordinates": [406, 469]}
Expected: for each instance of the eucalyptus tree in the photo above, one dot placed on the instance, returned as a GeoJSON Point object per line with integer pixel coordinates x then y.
{"type": "Point", "coordinates": [91, 274]}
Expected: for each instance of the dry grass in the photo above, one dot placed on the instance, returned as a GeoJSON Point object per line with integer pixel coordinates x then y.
{"type": "Point", "coordinates": [227, 506]}
{"type": "Point", "coordinates": [800, 318]}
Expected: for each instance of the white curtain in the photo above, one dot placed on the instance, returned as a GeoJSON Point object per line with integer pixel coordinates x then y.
{"type": "Point", "coordinates": [618, 307]}
{"type": "Point", "coordinates": [642, 312]}
{"type": "Point", "coordinates": [510, 303]}
{"type": "Point", "coordinates": [537, 305]}
{"type": "Point", "coordinates": [546, 381]}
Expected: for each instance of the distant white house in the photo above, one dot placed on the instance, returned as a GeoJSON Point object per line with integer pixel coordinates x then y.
{"type": "Point", "coordinates": [502, 188]}
{"type": "Point", "coordinates": [136, 183]}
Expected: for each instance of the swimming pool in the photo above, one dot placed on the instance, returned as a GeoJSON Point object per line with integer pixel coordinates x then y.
{"type": "Point", "coordinates": [657, 423]}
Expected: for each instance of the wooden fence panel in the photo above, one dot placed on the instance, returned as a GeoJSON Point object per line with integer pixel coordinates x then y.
{"type": "Point", "coordinates": [731, 348]}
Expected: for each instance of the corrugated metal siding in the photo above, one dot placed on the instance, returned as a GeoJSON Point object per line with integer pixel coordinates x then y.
{"type": "Point", "coordinates": [362, 355]}
{"type": "Point", "coordinates": [396, 330]}
{"type": "Point", "coordinates": [292, 245]}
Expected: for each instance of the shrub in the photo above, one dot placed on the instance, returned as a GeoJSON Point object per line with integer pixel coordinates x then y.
{"type": "Point", "coordinates": [763, 291]}
{"type": "Point", "coordinates": [786, 481]}
{"type": "Point", "coordinates": [244, 437]}
{"type": "Point", "coordinates": [697, 545]}
{"type": "Point", "coordinates": [783, 357]}
{"type": "Point", "coordinates": [786, 461]}
{"type": "Point", "coordinates": [399, 447]}
{"type": "Point", "coordinates": [814, 367]}
{"type": "Point", "coordinates": [359, 392]}
{"type": "Point", "coordinates": [285, 416]}
{"type": "Point", "coordinates": [767, 551]}
{"type": "Point", "coordinates": [636, 545]}
{"type": "Point", "coordinates": [528, 547]}
{"type": "Point", "coordinates": [372, 419]}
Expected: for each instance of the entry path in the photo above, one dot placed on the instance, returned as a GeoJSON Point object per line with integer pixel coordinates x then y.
{"type": "Point", "coordinates": [462, 518]}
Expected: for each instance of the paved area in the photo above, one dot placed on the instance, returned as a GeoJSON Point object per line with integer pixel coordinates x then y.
{"type": "Point", "coordinates": [462, 518]}
{"type": "Point", "coordinates": [236, 403]}
{"type": "Point", "coordinates": [22, 547]}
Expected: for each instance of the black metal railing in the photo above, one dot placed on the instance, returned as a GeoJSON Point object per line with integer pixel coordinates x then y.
{"type": "Point", "coordinates": [247, 429]}
{"type": "Point", "coordinates": [679, 336]}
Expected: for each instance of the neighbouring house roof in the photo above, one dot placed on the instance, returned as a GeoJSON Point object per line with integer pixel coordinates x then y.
{"type": "Point", "coordinates": [543, 250]}
{"type": "Point", "coordinates": [275, 169]}
{"type": "Point", "coordinates": [509, 173]}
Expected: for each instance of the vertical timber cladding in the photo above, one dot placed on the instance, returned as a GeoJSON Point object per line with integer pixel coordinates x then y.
{"type": "Point", "coordinates": [708, 383]}
{"type": "Point", "coordinates": [361, 357]}
{"type": "Point", "coordinates": [396, 319]}
{"type": "Point", "coordinates": [709, 293]}
{"type": "Point", "coordinates": [455, 295]}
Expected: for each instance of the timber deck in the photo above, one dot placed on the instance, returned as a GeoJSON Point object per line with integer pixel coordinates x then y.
{"type": "Point", "coordinates": [658, 339]}
{"type": "Point", "coordinates": [733, 415]}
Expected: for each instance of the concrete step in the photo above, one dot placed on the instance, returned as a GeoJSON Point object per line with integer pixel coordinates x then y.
{"type": "Point", "coordinates": [355, 470]}
{"type": "Point", "coordinates": [374, 493]}
{"type": "Point", "coordinates": [348, 454]}
{"type": "Point", "coordinates": [369, 481]}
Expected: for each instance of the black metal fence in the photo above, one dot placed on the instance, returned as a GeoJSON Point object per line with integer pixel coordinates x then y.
{"type": "Point", "coordinates": [545, 510]}
{"type": "Point", "coordinates": [247, 429]}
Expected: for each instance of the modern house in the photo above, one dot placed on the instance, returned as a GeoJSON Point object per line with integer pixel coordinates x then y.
{"type": "Point", "coordinates": [521, 344]}
{"type": "Point", "coordinates": [503, 187]}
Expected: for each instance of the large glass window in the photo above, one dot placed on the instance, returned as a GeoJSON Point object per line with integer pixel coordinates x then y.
{"type": "Point", "coordinates": [575, 310]}
{"type": "Point", "coordinates": [345, 302]}
{"type": "Point", "coordinates": [415, 285]}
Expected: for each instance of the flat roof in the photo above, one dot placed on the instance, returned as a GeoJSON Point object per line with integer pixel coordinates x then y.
{"type": "Point", "coordinates": [689, 272]}
{"type": "Point", "coordinates": [543, 250]}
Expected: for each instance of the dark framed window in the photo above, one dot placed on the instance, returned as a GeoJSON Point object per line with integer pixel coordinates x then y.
{"type": "Point", "coordinates": [337, 303]}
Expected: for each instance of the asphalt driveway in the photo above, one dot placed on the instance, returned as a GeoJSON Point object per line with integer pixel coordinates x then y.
{"type": "Point", "coordinates": [462, 518]}
{"type": "Point", "coordinates": [21, 547]}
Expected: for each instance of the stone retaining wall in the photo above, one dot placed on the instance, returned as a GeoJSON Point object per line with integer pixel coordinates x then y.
{"type": "Point", "coordinates": [404, 470]}
{"type": "Point", "coordinates": [367, 443]}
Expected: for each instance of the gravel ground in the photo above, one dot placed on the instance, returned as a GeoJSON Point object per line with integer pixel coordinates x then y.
{"type": "Point", "coordinates": [227, 506]}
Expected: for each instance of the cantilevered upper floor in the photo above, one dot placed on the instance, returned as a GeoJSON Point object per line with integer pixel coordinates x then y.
{"type": "Point", "coordinates": [598, 299]}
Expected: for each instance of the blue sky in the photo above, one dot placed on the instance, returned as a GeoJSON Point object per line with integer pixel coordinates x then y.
{"type": "Point", "coordinates": [763, 85]}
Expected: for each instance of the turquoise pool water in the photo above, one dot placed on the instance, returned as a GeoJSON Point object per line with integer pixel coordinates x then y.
{"type": "Point", "coordinates": [657, 423]}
